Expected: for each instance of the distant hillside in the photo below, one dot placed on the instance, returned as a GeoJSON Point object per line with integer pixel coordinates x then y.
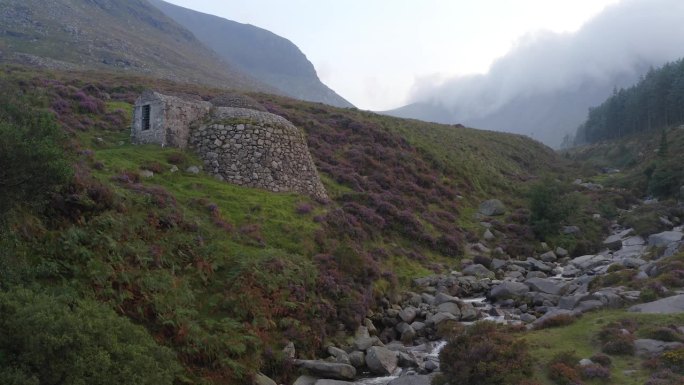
{"type": "Point", "coordinates": [545, 117]}
{"type": "Point", "coordinates": [656, 102]}
{"type": "Point", "coordinates": [122, 35]}
{"type": "Point", "coordinates": [266, 56]}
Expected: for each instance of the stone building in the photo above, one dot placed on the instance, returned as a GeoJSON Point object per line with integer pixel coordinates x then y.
{"type": "Point", "coordinates": [243, 146]}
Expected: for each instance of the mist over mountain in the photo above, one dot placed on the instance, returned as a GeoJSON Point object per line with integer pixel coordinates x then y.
{"type": "Point", "coordinates": [266, 56]}
{"type": "Point", "coordinates": [545, 84]}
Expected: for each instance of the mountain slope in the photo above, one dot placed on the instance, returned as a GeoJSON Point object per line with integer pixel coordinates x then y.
{"type": "Point", "coordinates": [122, 35]}
{"type": "Point", "coordinates": [264, 55]}
{"type": "Point", "coordinates": [546, 116]}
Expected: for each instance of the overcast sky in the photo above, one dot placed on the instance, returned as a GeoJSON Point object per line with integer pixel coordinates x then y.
{"type": "Point", "coordinates": [373, 52]}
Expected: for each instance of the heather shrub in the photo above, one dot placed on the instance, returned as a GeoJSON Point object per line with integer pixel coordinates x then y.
{"type": "Point", "coordinates": [304, 208]}
{"type": "Point", "coordinates": [556, 321]}
{"type": "Point", "coordinates": [616, 340]}
{"type": "Point", "coordinates": [484, 355]}
{"type": "Point", "coordinates": [668, 334]}
{"type": "Point", "coordinates": [602, 359]}
{"type": "Point", "coordinates": [563, 369]}
{"type": "Point", "coordinates": [594, 371]}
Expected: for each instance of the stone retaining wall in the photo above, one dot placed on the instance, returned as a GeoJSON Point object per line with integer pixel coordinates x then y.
{"type": "Point", "coordinates": [257, 149]}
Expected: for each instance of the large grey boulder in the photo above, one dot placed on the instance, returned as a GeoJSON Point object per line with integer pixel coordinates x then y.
{"type": "Point", "coordinates": [439, 318]}
{"type": "Point", "coordinates": [539, 265]}
{"type": "Point", "coordinates": [545, 285]}
{"type": "Point", "coordinates": [451, 308]}
{"type": "Point", "coordinates": [408, 314]}
{"type": "Point", "coordinates": [549, 256]}
{"type": "Point", "coordinates": [669, 305]}
{"type": "Point", "coordinates": [508, 289]}
{"type": "Point", "coordinates": [413, 380]}
{"type": "Point", "coordinates": [328, 369]}
{"type": "Point", "coordinates": [492, 207]}
{"type": "Point", "coordinates": [665, 238]}
{"type": "Point", "coordinates": [468, 312]}
{"type": "Point", "coordinates": [340, 355]}
{"type": "Point", "coordinates": [479, 271]}
{"type": "Point", "coordinates": [381, 361]}
{"type": "Point", "coordinates": [357, 359]}
{"type": "Point", "coordinates": [613, 242]}
{"type": "Point", "coordinates": [441, 298]}
{"type": "Point", "coordinates": [586, 262]}
{"type": "Point", "coordinates": [649, 348]}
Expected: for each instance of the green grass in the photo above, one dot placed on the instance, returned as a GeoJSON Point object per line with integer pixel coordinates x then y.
{"type": "Point", "coordinates": [580, 337]}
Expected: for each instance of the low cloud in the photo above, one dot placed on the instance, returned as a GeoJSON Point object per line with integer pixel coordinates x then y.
{"type": "Point", "coordinates": [615, 46]}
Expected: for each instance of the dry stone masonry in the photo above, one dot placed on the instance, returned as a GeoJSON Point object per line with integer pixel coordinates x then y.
{"type": "Point", "coordinates": [243, 146]}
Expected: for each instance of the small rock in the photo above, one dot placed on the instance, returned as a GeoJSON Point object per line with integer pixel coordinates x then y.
{"type": "Point", "coordinates": [586, 362]}
{"type": "Point", "coordinates": [408, 314]}
{"type": "Point", "coordinates": [193, 170]}
{"type": "Point", "coordinates": [488, 236]}
{"type": "Point", "coordinates": [549, 256]}
{"type": "Point", "coordinates": [174, 168]}
{"type": "Point", "coordinates": [479, 271]}
{"type": "Point", "coordinates": [289, 350]}
{"type": "Point", "coordinates": [561, 252]}
{"type": "Point", "coordinates": [527, 318]}
{"type": "Point", "coordinates": [492, 207]}
{"type": "Point", "coordinates": [146, 174]}
{"type": "Point", "coordinates": [568, 230]}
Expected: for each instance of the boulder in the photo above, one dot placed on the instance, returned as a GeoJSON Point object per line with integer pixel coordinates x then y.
{"type": "Point", "coordinates": [381, 361]}
{"type": "Point", "coordinates": [539, 265]}
{"type": "Point", "coordinates": [412, 380]}
{"type": "Point", "coordinates": [357, 359]}
{"type": "Point", "coordinates": [408, 314]}
{"type": "Point", "coordinates": [340, 355]}
{"type": "Point", "coordinates": [586, 262]}
{"type": "Point", "coordinates": [479, 271]}
{"type": "Point", "coordinates": [561, 252]}
{"type": "Point", "coordinates": [327, 369]}
{"type": "Point", "coordinates": [507, 290]}
{"type": "Point", "coordinates": [649, 348]}
{"type": "Point", "coordinates": [468, 312]}
{"type": "Point", "coordinates": [441, 298]}
{"type": "Point", "coordinates": [669, 305]}
{"type": "Point", "coordinates": [527, 318]}
{"type": "Point", "coordinates": [498, 263]}
{"type": "Point", "coordinates": [665, 238]}
{"type": "Point", "coordinates": [545, 285]}
{"type": "Point", "coordinates": [549, 256]}
{"type": "Point", "coordinates": [585, 306]}
{"type": "Point", "coordinates": [451, 308]}
{"type": "Point", "coordinates": [439, 318]}
{"type": "Point", "coordinates": [488, 236]}
{"type": "Point", "coordinates": [262, 379]}
{"type": "Point", "coordinates": [551, 314]}
{"type": "Point", "coordinates": [305, 380]}
{"type": "Point", "coordinates": [492, 207]}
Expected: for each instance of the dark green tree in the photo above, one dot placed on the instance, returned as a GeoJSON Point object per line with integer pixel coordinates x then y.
{"type": "Point", "coordinates": [32, 160]}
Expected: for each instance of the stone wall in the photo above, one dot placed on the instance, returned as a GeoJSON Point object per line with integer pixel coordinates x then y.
{"type": "Point", "coordinates": [257, 149]}
{"type": "Point", "coordinates": [170, 119]}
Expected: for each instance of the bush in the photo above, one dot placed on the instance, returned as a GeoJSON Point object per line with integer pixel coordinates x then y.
{"type": "Point", "coordinates": [556, 321]}
{"type": "Point", "coordinates": [602, 359]}
{"type": "Point", "coordinates": [562, 369]}
{"type": "Point", "coordinates": [620, 344]}
{"type": "Point", "coordinates": [50, 340]}
{"type": "Point", "coordinates": [674, 360]}
{"type": "Point", "coordinates": [482, 354]}
{"type": "Point", "coordinates": [594, 371]}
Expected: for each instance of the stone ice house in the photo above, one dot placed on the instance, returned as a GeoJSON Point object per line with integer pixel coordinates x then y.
{"type": "Point", "coordinates": [238, 141]}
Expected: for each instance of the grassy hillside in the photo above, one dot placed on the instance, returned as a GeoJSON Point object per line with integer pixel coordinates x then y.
{"type": "Point", "coordinates": [225, 275]}
{"type": "Point", "coordinates": [117, 35]}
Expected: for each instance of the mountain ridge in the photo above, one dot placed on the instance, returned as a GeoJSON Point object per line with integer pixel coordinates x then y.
{"type": "Point", "coordinates": [263, 54]}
